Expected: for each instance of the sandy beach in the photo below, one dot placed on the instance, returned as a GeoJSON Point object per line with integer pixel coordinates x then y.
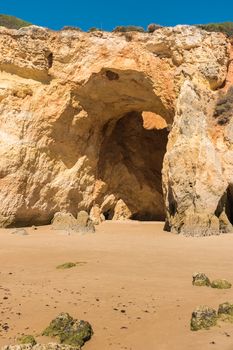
{"type": "Point", "coordinates": [134, 286]}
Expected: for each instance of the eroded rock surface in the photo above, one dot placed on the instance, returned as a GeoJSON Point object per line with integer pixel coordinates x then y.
{"type": "Point", "coordinates": [88, 121]}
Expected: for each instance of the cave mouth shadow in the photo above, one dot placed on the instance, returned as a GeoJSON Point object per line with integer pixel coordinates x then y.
{"type": "Point", "coordinates": [108, 214]}
{"type": "Point", "coordinates": [229, 203]}
{"type": "Point", "coordinates": [147, 216]}
{"type": "Point", "coordinates": [130, 163]}
{"type": "Point", "coordinates": [225, 204]}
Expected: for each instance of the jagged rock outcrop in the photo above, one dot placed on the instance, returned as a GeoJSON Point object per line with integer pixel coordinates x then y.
{"type": "Point", "coordinates": [88, 121]}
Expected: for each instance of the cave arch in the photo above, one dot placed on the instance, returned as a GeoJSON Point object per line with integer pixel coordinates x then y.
{"type": "Point", "coordinates": [130, 163]}
{"type": "Point", "coordinates": [129, 118]}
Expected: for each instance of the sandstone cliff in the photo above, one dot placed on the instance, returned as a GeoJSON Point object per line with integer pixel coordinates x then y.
{"type": "Point", "coordinates": [117, 124]}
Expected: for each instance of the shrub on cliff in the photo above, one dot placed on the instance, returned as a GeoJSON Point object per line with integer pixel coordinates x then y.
{"type": "Point", "coordinates": [12, 22]}
{"type": "Point", "coordinates": [72, 28]}
{"type": "Point", "coordinates": [152, 27]}
{"type": "Point", "coordinates": [225, 27]}
{"type": "Point", "coordinates": [124, 29]}
{"type": "Point", "coordinates": [94, 29]}
{"type": "Point", "coordinates": [224, 107]}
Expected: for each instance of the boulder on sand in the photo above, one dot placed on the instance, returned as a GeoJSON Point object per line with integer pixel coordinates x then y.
{"type": "Point", "coordinates": [221, 284]}
{"type": "Point", "coordinates": [203, 317]}
{"type": "Point", "coordinates": [200, 280]}
{"type": "Point", "coordinates": [69, 330]}
{"type": "Point", "coordinates": [67, 222]}
{"type": "Point", "coordinates": [85, 224]}
{"type": "Point", "coordinates": [225, 312]}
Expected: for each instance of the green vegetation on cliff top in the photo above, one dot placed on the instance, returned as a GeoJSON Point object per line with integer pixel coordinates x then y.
{"type": "Point", "coordinates": [224, 27]}
{"type": "Point", "coordinates": [12, 22]}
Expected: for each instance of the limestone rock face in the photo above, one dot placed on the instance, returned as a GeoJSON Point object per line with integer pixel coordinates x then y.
{"type": "Point", "coordinates": [89, 120]}
{"type": "Point", "coordinates": [197, 172]}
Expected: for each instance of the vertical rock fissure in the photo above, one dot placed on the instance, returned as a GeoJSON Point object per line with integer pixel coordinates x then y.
{"type": "Point", "coordinates": [229, 203]}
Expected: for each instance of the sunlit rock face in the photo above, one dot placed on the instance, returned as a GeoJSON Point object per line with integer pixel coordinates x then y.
{"type": "Point", "coordinates": [122, 126]}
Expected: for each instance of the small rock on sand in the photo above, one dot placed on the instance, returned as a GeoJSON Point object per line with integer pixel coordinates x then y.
{"type": "Point", "coordinates": [221, 284]}
{"type": "Point", "coordinates": [70, 331]}
{"type": "Point", "coordinates": [225, 312]}
{"type": "Point", "coordinates": [203, 317]}
{"type": "Point", "coordinates": [27, 339]}
{"type": "Point", "coordinates": [200, 279]}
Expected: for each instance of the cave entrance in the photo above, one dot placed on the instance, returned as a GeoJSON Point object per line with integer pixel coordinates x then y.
{"type": "Point", "coordinates": [229, 203]}
{"type": "Point", "coordinates": [130, 163]}
{"type": "Point", "coordinates": [108, 214]}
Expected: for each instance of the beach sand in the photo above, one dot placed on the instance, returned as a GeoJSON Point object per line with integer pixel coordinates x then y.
{"type": "Point", "coordinates": [135, 286]}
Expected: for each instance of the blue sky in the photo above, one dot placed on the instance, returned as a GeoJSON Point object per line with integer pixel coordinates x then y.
{"type": "Point", "coordinates": [109, 14]}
